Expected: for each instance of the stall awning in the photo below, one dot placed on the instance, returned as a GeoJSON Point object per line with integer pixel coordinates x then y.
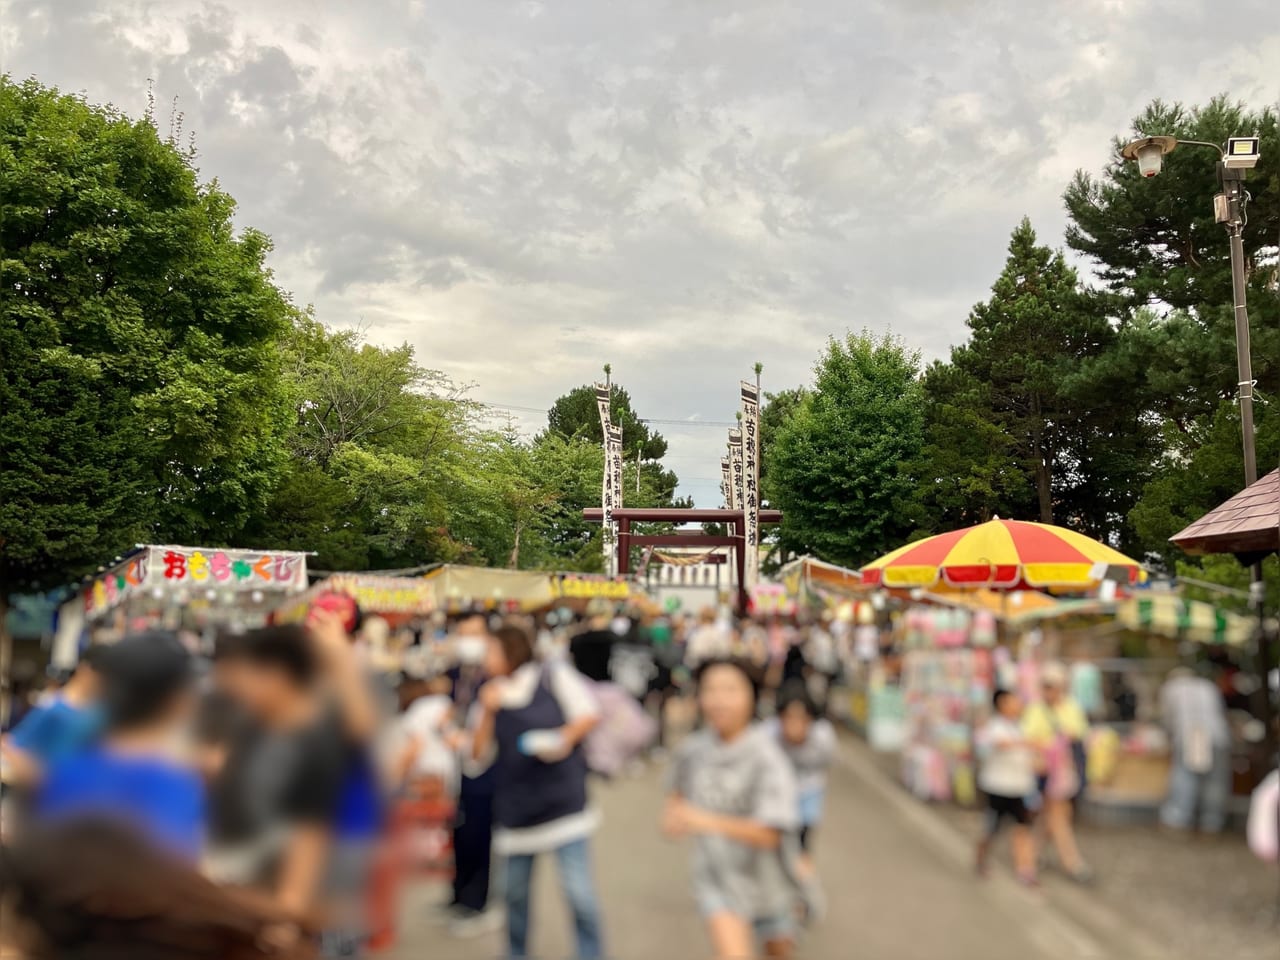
{"type": "Point", "coordinates": [403, 596]}
{"type": "Point", "coordinates": [828, 582]}
{"type": "Point", "coordinates": [1007, 605]}
{"type": "Point", "coordinates": [1178, 618]}
{"type": "Point", "coordinates": [570, 586]}
{"type": "Point", "coordinates": [457, 587]}
{"type": "Point", "coordinates": [168, 574]}
{"type": "Point", "coordinates": [1247, 525]}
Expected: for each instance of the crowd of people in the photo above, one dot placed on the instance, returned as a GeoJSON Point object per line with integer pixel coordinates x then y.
{"type": "Point", "coordinates": [249, 787]}
{"type": "Point", "coordinates": [253, 788]}
{"type": "Point", "coordinates": [1034, 768]}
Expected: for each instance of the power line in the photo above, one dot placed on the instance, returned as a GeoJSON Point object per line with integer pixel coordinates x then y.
{"type": "Point", "coordinates": [510, 406]}
{"type": "Point", "coordinates": [692, 423]}
{"type": "Point", "coordinates": [678, 423]}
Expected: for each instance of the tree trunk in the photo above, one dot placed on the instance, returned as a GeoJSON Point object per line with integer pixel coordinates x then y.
{"type": "Point", "coordinates": [1044, 488]}
{"type": "Point", "coordinates": [513, 563]}
{"type": "Point", "coordinates": [1044, 481]}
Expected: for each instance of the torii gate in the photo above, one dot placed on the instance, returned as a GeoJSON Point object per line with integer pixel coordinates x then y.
{"type": "Point", "coordinates": [735, 519]}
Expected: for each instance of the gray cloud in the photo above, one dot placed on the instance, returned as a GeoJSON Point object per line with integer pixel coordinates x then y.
{"type": "Point", "coordinates": [525, 190]}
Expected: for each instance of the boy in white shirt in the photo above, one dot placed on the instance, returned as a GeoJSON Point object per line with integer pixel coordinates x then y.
{"type": "Point", "coordinates": [422, 743]}
{"type": "Point", "coordinates": [1007, 776]}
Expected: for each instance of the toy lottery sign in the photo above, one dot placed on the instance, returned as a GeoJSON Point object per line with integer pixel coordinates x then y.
{"type": "Point", "coordinates": [171, 569]}
{"type": "Point", "coordinates": [179, 565]}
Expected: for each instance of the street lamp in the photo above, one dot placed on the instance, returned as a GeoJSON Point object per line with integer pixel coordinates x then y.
{"type": "Point", "coordinates": [1240, 154]}
{"type": "Point", "coordinates": [1149, 153]}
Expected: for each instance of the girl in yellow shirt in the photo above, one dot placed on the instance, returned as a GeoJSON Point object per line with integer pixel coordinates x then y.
{"type": "Point", "coordinates": [1057, 727]}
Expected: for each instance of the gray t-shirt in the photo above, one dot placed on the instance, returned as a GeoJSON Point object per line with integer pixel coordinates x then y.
{"type": "Point", "coordinates": [810, 759]}
{"type": "Point", "coordinates": [752, 778]}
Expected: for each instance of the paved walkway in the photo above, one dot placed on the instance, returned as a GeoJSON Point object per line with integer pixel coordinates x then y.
{"type": "Point", "coordinates": [898, 880]}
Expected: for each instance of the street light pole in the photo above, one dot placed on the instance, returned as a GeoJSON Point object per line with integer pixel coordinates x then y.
{"type": "Point", "coordinates": [1229, 208]}
{"type": "Point", "coordinates": [1233, 196]}
{"type": "Point", "coordinates": [1239, 154]}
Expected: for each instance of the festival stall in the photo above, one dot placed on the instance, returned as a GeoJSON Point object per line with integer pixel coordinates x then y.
{"type": "Point", "coordinates": [772, 600]}
{"type": "Point", "coordinates": [459, 588]}
{"type": "Point", "coordinates": [396, 599]}
{"type": "Point", "coordinates": [815, 584]}
{"type": "Point", "coordinates": [1129, 755]}
{"type": "Point", "coordinates": [190, 587]}
{"type": "Point", "coordinates": [980, 584]}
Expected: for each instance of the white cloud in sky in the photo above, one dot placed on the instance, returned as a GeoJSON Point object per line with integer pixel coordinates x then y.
{"type": "Point", "coordinates": [527, 190]}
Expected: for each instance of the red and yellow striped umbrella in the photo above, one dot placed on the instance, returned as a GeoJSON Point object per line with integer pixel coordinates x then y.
{"type": "Point", "coordinates": [1003, 554]}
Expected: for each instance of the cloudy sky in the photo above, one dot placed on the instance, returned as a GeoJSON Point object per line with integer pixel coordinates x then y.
{"type": "Point", "coordinates": [525, 190]}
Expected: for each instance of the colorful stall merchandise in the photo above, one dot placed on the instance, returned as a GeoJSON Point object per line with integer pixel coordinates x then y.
{"type": "Point", "coordinates": [155, 579]}
{"type": "Point", "coordinates": [947, 684]}
{"type": "Point", "coordinates": [886, 721]}
{"type": "Point", "coordinates": [772, 600]}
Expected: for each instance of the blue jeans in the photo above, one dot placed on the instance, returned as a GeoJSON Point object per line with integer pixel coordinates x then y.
{"type": "Point", "coordinates": [1204, 793]}
{"type": "Point", "coordinates": [574, 862]}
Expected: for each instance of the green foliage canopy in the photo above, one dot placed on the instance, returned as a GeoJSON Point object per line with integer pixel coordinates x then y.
{"type": "Point", "coordinates": [141, 395]}
{"type": "Point", "coordinates": [837, 463]}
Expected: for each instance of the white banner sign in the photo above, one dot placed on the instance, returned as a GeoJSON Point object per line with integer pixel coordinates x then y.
{"type": "Point", "coordinates": [613, 462]}
{"type": "Point", "coordinates": [609, 490]}
{"type": "Point", "coordinates": [726, 481]}
{"type": "Point", "coordinates": [751, 479]}
{"type": "Point", "coordinates": [735, 469]}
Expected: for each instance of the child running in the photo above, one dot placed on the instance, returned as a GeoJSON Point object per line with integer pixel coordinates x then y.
{"type": "Point", "coordinates": [1007, 777]}
{"type": "Point", "coordinates": [734, 792]}
{"type": "Point", "coordinates": [809, 742]}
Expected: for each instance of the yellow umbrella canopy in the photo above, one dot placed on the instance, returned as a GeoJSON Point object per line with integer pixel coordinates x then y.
{"type": "Point", "coordinates": [1000, 554]}
{"type": "Point", "coordinates": [1003, 604]}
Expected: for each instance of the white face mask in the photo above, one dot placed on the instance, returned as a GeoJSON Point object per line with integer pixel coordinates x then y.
{"type": "Point", "coordinates": [470, 650]}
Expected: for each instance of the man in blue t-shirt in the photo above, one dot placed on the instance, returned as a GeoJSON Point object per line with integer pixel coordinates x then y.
{"type": "Point", "coordinates": [59, 729]}
{"type": "Point", "coordinates": [131, 776]}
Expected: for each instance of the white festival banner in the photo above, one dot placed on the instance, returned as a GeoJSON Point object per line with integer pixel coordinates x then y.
{"type": "Point", "coordinates": [751, 480]}
{"type": "Point", "coordinates": [608, 488]}
{"type": "Point", "coordinates": [735, 469]}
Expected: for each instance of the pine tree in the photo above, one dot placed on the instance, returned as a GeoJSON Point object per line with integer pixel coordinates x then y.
{"type": "Point", "coordinates": [1028, 420]}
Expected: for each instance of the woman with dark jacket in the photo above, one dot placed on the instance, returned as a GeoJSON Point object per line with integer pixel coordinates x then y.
{"type": "Point", "coordinates": [534, 719]}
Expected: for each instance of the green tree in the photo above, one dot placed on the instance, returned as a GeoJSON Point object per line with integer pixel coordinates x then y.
{"type": "Point", "coordinates": [384, 456]}
{"type": "Point", "coordinates": [1185, 489]}
{"type": "Point", "coordinates": [1154, 240]}
{"type": "Point", "coordinates": [837, 464]}
{"type": "Point", "coordinates": [141, 397]}
{"type": "Point", "coordinates": [1023, 341]}
{"type": "Point", "coordinates": [969, 470]}
{"type": "Point", "coordinates": [778, 409]}
{"type": "Point", "coordinates": [1031, 395]}
{"type": "Point", "coordinates": [576, 415]}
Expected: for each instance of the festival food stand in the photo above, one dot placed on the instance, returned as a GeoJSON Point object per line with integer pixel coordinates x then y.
{"type": "Point", "coordinates": [1130, 762]}
{"type": "Point", "coordinates": [981, 584]}
{"type": "Point", "coordinates": [396, 599]}
{"type": "Point", "coordinates": [814, 583]}
{"type": "Point", "coordinates": [193, 587]}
